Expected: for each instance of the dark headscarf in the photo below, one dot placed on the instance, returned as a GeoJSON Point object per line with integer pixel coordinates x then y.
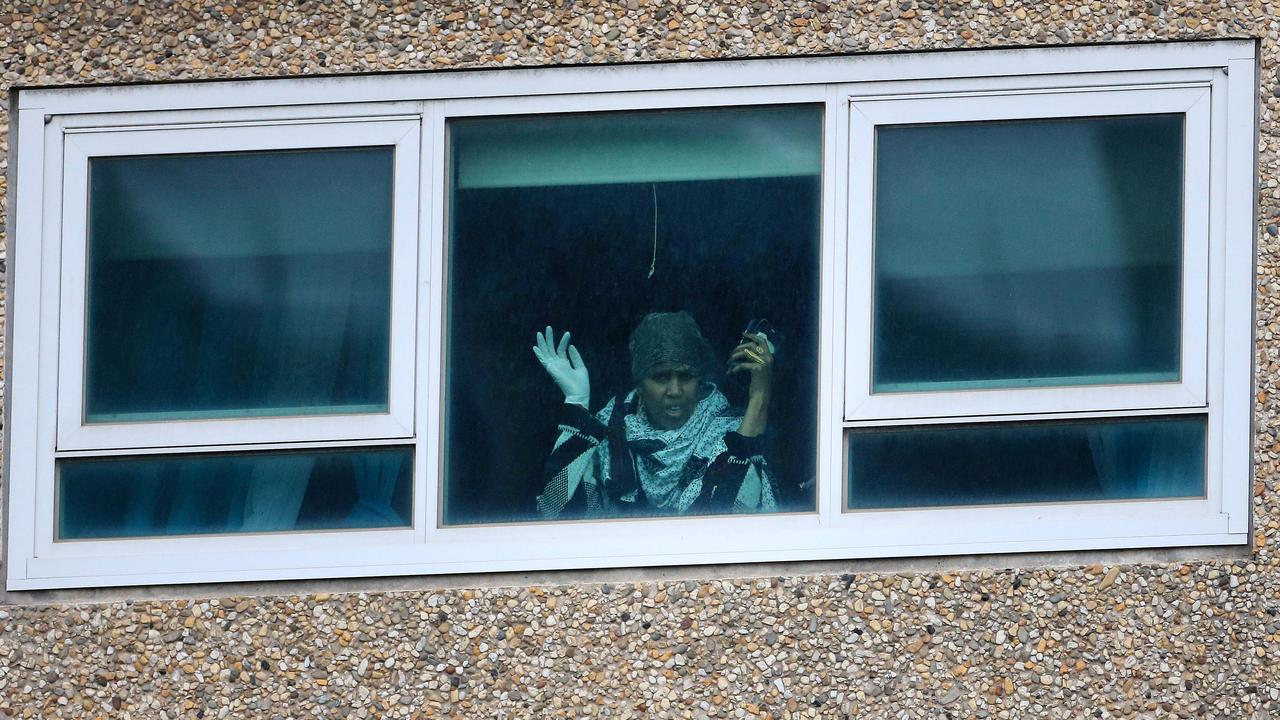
{"type": "Point", "coordinates": [668, 338]}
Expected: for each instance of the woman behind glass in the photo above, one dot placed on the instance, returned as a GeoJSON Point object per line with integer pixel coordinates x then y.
{"type": "Point", "coordinates": [670, 446]}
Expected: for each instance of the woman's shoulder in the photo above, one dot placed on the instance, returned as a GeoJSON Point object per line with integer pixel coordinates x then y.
{"type": "Point", "coordinates": [719, 404]}
{"type": "Point", "coordinates": [606, 412]}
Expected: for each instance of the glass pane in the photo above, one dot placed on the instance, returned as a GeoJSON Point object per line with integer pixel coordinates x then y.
{"type": "Point", "coordinates": [588, 223]}
{"type": "Point", "coordinates": [1026, 463]}
{"type": "Point", "coordinates": [239, 284]}
{"type": "Point", "coordinates": [1033, 253]}
{"type": "Point", "coordinates": [222, 493]}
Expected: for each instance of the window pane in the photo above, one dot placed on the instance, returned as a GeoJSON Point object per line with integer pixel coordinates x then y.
{"type": "Point", "coordinates": [239, 284]}
{"type": "Point", "coordinates": [1035, 253]}
{"type": "Point", "coordinates": [252, 492]}
{"type": "Point", "coordinates": [588, 223]}
{"type": "Point", "coordinates": [1026, 463]}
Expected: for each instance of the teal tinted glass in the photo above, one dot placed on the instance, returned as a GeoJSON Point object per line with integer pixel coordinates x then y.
{"type": "Point", "coordinates": [1026, 463]}
{"type": "Point", "coordinates": [238, 284]}
{"type": "Point", "coordinates": [224, 493]}
{"type": "Point", "coordinates": [1030, 253]}
{"type": "Point", "coordinates": [588, 222]}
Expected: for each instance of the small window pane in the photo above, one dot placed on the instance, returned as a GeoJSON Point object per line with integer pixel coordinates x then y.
{"type": "Point", "coordinates": [1026, 463]}
{"type": "Point", "coordinates": [216, 494]}
{"type": "Point", "coordinates": [239, 284]}
{"type": "Point", "coordinates": [588, 223]}
{"type": "Point", "coordinates": [1030, 253]}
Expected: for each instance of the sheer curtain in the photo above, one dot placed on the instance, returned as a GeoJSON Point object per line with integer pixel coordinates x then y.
{"type": "Point", "coordinates": [1163, 459]}
{"type": "Point", "coordinates": [298, 346]}
{"type": "Point", "coordinates": [1140, 461]}
{"type": "Point", "coordinates": [376, 480]}
{"type": "Point", "coordinates": [275, 490]}
{"type": "Point", "coordinates": [226, 286]}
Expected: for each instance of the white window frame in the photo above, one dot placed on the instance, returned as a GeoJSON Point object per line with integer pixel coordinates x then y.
{"type": "Point", "coordinates": [1191, 100]}
{"type": "Point", "coordinates": [45, 118]}
{"type": "Point", "coordinates": [82, 144]}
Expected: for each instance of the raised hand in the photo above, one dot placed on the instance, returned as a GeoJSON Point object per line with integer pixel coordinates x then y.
{"type": "Point", "coordinates": [754, 356]}
{"type": "Point", "coordinates": [563, 363]}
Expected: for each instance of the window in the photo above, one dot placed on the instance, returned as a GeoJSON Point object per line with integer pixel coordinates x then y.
{"type": "Point", "coordinates": [1016, 244]}
{"type": "Point", "coordinates": [588, 222]}
{"type": "Point", "coordinates": [822, 308]}
{"type": "Point", "coordinates": [233, 273]}
{"type": "Point", "coordinates": [1022, 244]}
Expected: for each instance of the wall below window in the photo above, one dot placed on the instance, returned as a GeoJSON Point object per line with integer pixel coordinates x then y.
{"type": "Point", "coordinates": [1053, 638]}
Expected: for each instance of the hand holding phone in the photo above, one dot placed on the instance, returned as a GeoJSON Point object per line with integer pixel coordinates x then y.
{"type": "Point", "coordinates": [754, 357]}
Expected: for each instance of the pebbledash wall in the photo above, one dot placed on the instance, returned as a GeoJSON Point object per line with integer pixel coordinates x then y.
{"type": "Point", "coordinates": [1169, 634]}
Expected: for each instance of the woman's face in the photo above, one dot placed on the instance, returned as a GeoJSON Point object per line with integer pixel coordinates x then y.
{"type": "Point", "coordinates": [670, 394]}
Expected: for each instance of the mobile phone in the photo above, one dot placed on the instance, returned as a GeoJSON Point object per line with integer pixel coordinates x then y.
{"type": "Point", "coordinates": [761, 326]}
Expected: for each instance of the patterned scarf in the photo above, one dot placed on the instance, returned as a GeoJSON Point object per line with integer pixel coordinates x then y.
{"type": "Point", "coordinates": [670, 464]}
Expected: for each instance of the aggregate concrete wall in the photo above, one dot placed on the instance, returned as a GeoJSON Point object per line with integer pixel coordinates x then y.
{"type": "Point", "coordinates": [1197, 638]}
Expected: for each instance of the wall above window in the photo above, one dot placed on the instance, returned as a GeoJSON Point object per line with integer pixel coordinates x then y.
{"type": "Point", "coordinates": [913, 305]}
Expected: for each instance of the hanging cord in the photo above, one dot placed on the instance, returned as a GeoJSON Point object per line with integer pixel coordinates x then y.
{"type": "Point", "coordinates": [653, 264]}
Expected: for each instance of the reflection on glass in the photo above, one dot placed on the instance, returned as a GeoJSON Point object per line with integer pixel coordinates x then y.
{"type": "Point", "coordinates": [659, 241]}
{"type": "Point", "coordinates": [224, 493]}
{"type": "Point", "coordinates": [238, 284]}
{"type": "Point", "coordinates": [1027, 463]}
{"type": "Point", "coordinates": [1030, 253]}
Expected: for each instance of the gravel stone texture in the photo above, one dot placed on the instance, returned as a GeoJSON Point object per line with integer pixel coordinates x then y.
{"type": "Point", "coordinates": [1192, 640]}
